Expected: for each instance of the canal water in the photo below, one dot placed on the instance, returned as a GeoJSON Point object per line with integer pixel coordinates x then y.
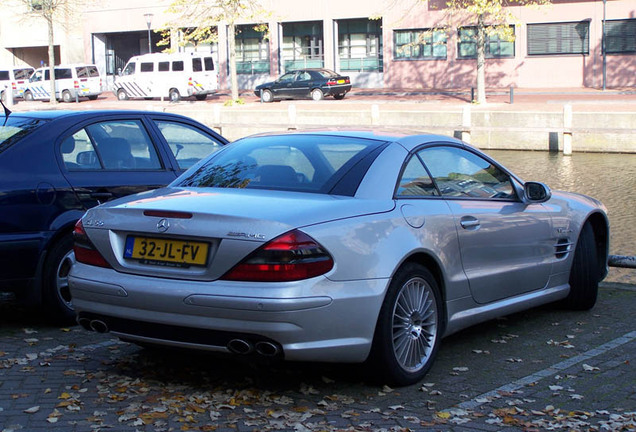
{"type": "Point", "coordinates": [610, 178]}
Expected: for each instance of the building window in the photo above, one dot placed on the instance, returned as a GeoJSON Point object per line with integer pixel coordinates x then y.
{"type": "Point", "coordinates": [620, 36]}
{"type": "Point", "coordinates": [252, 50]}
{"type": "Point", "coordinates": [360, 45]}
{"type": "Point", "coordinates": [496, 46]}
{"type": "Point", "coordinates": [559, 38]}
{"type": "Point", "coordinates": [303, 45]}
{"type": "Point", "coordinates": [421, 44]}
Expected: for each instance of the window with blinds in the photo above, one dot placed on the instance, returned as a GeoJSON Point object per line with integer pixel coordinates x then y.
{"type": "Point", "coordinates": [559, 38]}
{"type": "Point", "coordinates": [620, 36]}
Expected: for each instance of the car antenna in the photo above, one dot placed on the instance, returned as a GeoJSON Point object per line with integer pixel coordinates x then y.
{"type": "Point", "coordinates": [7, 112]}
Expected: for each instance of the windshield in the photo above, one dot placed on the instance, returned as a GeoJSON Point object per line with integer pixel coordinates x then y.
{"type": "Point", "coordinates": [307, 163]}
{"type": "Point", "coordinates": [16, 128]}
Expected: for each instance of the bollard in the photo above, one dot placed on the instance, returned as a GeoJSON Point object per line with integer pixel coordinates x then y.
{"type": "Point", "coordinates": [512, 95]}
{"type": "Point", "coordinates": [466, 124]}
{"type": "Point", "coordinates": [567, 130]}
{"type": "Point", "coordinates": [472, 94]}
{"type": "Point", "coordinates": [375, 114]}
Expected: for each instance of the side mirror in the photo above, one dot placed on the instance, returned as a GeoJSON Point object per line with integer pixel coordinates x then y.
{"type": "Point", "coordinates": [535, 192]}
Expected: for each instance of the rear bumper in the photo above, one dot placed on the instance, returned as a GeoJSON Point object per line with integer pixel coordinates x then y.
{"type": "Point", "coordinates": [310, 320]}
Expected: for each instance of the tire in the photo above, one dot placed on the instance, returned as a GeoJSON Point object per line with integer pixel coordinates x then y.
{"type": "Point", "coordinates": [122, 95]}
{"type": "Point", "coordinates": [92, 97]}
{"type": "Point", "coordinates": [584, 276]}
{"type": "Point", "coordinates": [66, 96]}
{"type": "Point", "coordinates": [317, 95]}
{"type": "Point", "coordinates": [267, 96]}
{"type": "Point", "coordinates": [28, 96]}
{"type": "Point", "coordinates": [200, 97]}
{"type": "Point", "coordinates": [409, 328]}
{"type": "Point", "coordinates": [174, 95]}
{"type": "Point", "coordinates": [55, 289]}
{"type": "Point", "coordinates": [339, 96]}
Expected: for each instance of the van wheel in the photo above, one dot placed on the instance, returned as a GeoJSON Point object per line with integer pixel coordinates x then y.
{"type": "Point", "coordinates": [55, 289]}
{"type": "Point", "coordinates": [122, 95]}
{"type": "Point", "coordinates": [174, 95]}
{"type": "Point", "coordinates": [28, 96]}
{"type": "Point", "coordinates": [200, 97]}
{"type": "Point", "coordinates": [66, 96]}
{"type": "Point", "coordinates": [92, 97]}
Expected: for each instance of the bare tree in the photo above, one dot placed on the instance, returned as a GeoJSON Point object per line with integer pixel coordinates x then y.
{"type": "Point", "coordinates": [200, 17]}
{"type": "Point", "coordinates": [491, 18]}
{"type": "Point", "coordinates": [51, 11]}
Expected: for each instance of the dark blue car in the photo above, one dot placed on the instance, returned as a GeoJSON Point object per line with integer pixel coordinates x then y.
{"type": "Point", "coordinates": [303, 84]}
{"type": "Point", "coordinates": [54, 165]}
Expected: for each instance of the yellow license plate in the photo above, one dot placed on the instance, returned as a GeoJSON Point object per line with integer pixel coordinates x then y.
{"type": "Point", "coordinates": [340, 81]}
{"type": "Point", "coordinates": [178, 253]}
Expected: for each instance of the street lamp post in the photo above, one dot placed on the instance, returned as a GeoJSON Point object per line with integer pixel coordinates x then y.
{"type": "Point", "coordinates": [148, 17]}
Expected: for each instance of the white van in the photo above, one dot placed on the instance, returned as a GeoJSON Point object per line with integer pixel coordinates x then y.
{"type": "Point", "coordinates": [15, 78]}
{"type": "Point", "coordinates": [71, 82]}
{"type": "Point", "coordinates": [167, 75]}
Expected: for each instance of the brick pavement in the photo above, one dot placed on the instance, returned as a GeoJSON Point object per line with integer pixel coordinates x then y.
{"type": "Point", "coordinates": [541, 369]}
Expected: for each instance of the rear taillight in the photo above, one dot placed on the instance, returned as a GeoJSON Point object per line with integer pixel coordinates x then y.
{"type": "Point", "coordinates": [76, 84]}
{"type": "Point", "coordinates": [289, 257]}
{"type": "Point", "coordinates": [332, 82]}
{"type": "Point", "coordinates": [84, 249]}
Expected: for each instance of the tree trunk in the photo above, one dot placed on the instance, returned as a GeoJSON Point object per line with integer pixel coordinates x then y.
{"type": "Point", "coordinates": [49, 21]}
{"type": "Point", "coordinates": [232, 49]}
{"type": "Point", "coordinates": [481, 60]}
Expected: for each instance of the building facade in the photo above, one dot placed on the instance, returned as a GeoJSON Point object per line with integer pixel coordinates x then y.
{"type": "Point", "coordinates": [379, 43]}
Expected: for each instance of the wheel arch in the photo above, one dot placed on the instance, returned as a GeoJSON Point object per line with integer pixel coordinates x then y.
{"type": "Point", "coordinates": [427, 260]}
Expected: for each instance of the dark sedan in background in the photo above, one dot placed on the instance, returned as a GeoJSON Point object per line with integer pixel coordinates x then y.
{"type": "Point", "coordinates": [305, 83]}
{"type": "Point", "coordinates": [54, 165]}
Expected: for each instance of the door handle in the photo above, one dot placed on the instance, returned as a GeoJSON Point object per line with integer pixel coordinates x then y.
{"type": "Point", "coordinates": [469, 223]}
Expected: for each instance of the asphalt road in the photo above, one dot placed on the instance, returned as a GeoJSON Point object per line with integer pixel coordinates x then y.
{"type": "Point", "coordinates": [544, 369]}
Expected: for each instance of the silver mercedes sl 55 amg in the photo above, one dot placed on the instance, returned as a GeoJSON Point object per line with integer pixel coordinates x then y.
{"type": "Point", "coordinates": [334, 246]}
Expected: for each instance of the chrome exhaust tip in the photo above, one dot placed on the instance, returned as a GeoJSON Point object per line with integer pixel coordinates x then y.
{"type": "Point", "coordinates": [267, 349]}
{"type": "Point", "coordinates": [99, 326]}
{"type": "Point", "coordinates": [85, 323]}
{"type": "Point", "coordinates": [239, 346]}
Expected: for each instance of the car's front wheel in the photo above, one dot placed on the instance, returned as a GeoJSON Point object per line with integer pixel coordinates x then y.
{"type": "Point", "coordinates": [317, 95]}
{"type": "Point", "coordinates": [122, 95]}
{"type": "Point", "coordinates": [409, 327]}
{"type": "Point", "coordinates": [267, 96]}
{"type": "Point", "coordinates": [584, 276]}
{"type": "Point", "coordinates": [55, 288]}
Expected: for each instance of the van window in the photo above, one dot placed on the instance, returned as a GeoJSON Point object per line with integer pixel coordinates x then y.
{"type": "Point", "coordinates": [4, 75]}
{"type": "Point", "coordinates": [129, 69]}
{"type": "Point", "coordinates": [197, 66]}
{"type": "Point", "coordinates": [177, 66]}
{"type": "Point", "coordinates": [163, 66]}
{"type": "Point", "coordinates": [209, 63]}
{"type": "Point", "coordinates": [146, 67]}
{"type": "Point", "coordinates": [22, 73]}
{"type": "Point", "coordinates": [63, 74]}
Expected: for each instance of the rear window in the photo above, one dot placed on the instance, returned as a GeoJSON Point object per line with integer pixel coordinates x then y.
{"type": "Point", "coordinates": [21, 74]}
{"type": "Point", "coordinates": [209, 63]}
{"type": "Point", "coordinates": [16, 128]}
{"type": "Point", "coordinates": [307, 163]}
{"type": "Point", "coordinates": [197, 65]}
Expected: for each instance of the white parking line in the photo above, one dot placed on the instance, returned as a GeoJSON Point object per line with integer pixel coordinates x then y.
{"type": "Point", "coordinates": [537, 376]}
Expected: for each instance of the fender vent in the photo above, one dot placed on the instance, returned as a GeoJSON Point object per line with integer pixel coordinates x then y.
{"type": "Point", "coordinates": [562, 248]}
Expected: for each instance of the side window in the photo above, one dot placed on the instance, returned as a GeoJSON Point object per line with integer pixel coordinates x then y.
{"type": "Point", "coordinates": [78, 152]}
{"type": "Point", "coordinates": [129, 69]}
{"type": "Point", "coordinates": [197, 65]}
{"type": "Point", "coordinates": [462, 174]}
{"type": "Point", "coordinates": [188, 144]}
{"type": "Point", "coordinates": [177, 66]}
{"type": "Point", "coordinates": [208, 63]}
{"type": "Point", "coordinates": [415, 181]}
{"type": "Point", "coordinates": [163, 66]}
{"type": "Point", "coordinates": [123, 145]}
{"type": "Point", "coordinates": [304, 76]}
{"type": "Point", "coordinates": [37, 76]}
{"type": "Point", "coordinates": [146, 67]}
{"type": "Point", "coordinates": [63, 74]}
